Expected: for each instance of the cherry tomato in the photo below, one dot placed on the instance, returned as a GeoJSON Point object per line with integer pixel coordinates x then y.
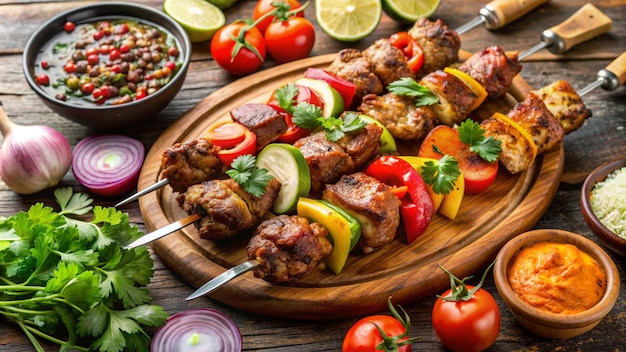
{"type": "Point", "coordinates": [290, 40]}
{"type": "Point", "coordinates": [70, 67]}
{"type": "Point", "coordinates": [114, 54]}
{"type": "Point", "coordinates": [43, 79]}
{"type": "Point", "coordinates": [241, 56]}
{"type": "Point", "coordinates": [93, 59]}
{"type": "Point", "coordinates": [471, 325]}
{"type": "Point", "coordinates": [365, 336]}
{"type": "Point", "coordinates": [69, 27]}
{"type": "Point", "coordinates": [44, 64]}
{"type": "Point", "coordinates": [477, 172]}
{"type": "Point", "coordinates": [264, 6]}
{"type": "Point", "coordinates": [87, 88]}
{"type": "Point", "coordinates": [140, 94]}
{"type": "Point", "coordinates": [226, 134]}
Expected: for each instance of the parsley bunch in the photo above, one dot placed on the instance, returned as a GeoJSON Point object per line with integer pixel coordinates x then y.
{"type": "Point", "coordinates": [68, 281]}
{"type": "Point", "coordinates": [252, 179]}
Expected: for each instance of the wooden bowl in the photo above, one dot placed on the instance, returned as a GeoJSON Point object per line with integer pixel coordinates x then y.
{"type": "Point", "coordinates": [607, 237]}
{"type": "Point", "coordinates": [547, 324]}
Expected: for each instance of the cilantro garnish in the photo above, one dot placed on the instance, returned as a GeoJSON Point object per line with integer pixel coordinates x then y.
{"type": "Point", "coordinates": [252, 179]}
{"type": "Point", "coordinates": [441, 175]}
{"type": "Point", "coordinates": [62, 277]}
{"type": "Point", "coordinates": [408, 86]}
{"type": "Point", "coordinates": [473, 135]}
{"type": "Point", "coordinates": [286, 95]}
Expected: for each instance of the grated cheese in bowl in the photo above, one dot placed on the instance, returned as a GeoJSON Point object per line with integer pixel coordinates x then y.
{"type": "Point", "coordinates": [608, 202]}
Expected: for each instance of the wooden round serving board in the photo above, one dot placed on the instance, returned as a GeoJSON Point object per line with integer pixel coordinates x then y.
{"type": "Point", "coordinates": [513, 204]}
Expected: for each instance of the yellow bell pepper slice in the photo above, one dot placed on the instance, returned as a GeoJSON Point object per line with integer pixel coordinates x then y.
{"type": "Point", "coordinates": [452, 201]}
{"type": "Point", "coordinates": [474, 86]}
{"type": "Point", "coordinates": [339, 228]}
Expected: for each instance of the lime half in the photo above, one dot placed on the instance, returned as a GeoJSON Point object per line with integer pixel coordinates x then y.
{"type": "Point", "coordinates": [409, 11]}
{"type": "Point", "coordinates": [200, 19]}
{"type": "Point", "coordinates": [348, 20]}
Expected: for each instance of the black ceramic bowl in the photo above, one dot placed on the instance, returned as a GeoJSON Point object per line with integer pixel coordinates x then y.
{"type": "Point", "coordinates": [108, 116]}
{"type": "Point", "coordinates": [607, 237]}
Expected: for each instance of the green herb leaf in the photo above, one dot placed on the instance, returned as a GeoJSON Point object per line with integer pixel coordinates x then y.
{"type": "Point", "coordinates": [441, 175]}
{"type": "Point", "coordinates": [336, 128]}
{"type": "Point", "coordinates": [286, 95]}
{"type": "Point", "coordinates": [307, 116]}
{"type": "Point", "coordinates": [409, 87]}
{"type": "Point", "coordinates": [252, 179]}
{"type": "Point", "coordinates": [472, 134]}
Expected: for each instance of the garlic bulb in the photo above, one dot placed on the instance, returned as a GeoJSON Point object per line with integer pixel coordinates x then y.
{"type": "Point", "coordinates": [32, 158]}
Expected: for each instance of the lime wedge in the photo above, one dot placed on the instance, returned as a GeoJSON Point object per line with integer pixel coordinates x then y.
{"type": "Point", "coordinates": [409, 11]}
{"type": "Point", "coordinates": [222, 4]}
{"type": "Point", "coordinates": [199, 18]}
{"type": "Point", "coordinates": [348, 20]}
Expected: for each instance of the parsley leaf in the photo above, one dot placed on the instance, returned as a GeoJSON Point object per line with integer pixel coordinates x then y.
{"type": "Point", "coordinates": [307, 116]}
{"type": "Point", "coordinates": [441, 175]}
{"type": "Point", "coordinates": [409, 87]}
{"type": "Point", "coordinates": [286, 95]}
{"type": "Point", "coordinates": [336, 128]}
{"type": "Point", "coordinates": [472, 134]}
{"type": "Point", "coordinates": [252, 179]}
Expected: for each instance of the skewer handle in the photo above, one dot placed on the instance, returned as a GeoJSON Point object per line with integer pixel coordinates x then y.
{"type": "Point", "coordinates": [586, 23]}
{"type": "Point", "coordinates": [499, 13]}
{"type": "Point", "coordinates": [616, 68]}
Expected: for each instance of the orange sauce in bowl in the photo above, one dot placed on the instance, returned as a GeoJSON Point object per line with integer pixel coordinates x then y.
{"type": "Point", "coordinates": [556, 277]}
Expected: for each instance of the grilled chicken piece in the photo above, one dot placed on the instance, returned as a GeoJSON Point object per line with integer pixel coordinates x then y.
{"type": "Point", "coordinates": [565, 104]}
{"type": "Point", "coordinates": [400, 115]}
{"type": "Point", "coordinates": [328, 160]}
{"type": "Point", "coordinates": [533, 115]}
{"type": "Point", "coordinates": [372, 203]}
{"type": "Point", "coordinates": [225, 207]}
{"type": "Point", "coordinates": [267, 123]}
{"type": "Point", "coordinates": [440, 44]}
{"type": "Point", "coordinates": [387, 61]}
{"type": "Point", "coordinates": [455, 97]}
{"type": "Point", "coordinates": [287, 247]}
{"type": "Point", "coordinates": [353, 66]}
{"type": "Point", "coordinates": [493, 69]}
{"type": "Point", "coordinates": [191, 162]}
{"type": "Point", "coordinates": [517, 152]}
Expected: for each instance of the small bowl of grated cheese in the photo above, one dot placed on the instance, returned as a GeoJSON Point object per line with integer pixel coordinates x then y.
{"type": "Point", "coordinates": [603, 204]}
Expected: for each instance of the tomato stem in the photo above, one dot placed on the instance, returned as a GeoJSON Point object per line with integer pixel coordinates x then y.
{"type": "Point", "coordinates": [458, 287]}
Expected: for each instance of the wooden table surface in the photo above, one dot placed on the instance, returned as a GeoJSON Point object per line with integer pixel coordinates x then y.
{"type": "Point", "coordinates": [603, 138]}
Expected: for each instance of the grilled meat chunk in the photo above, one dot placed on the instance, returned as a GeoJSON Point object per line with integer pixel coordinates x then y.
{"type": "Point", "coordinates": [353, 66]}
{"type": "Point", "coordinates": [387, 61]}
{"type": "Point", "coordinates": [328, 160]}
{"type": "Point", "coordinates": [225, 207]}
{"type": "Point", "coordinates": [267, 123]}
{"type": "Point", "coordinates": [565, 104]}
{"type": "Point", "coordinates": [494, 69]}
{"type": "Point", "coordinates": [533, 115]}
{"type": "Point", "coordinates": [372, 203]}
{"type": "Point", "coordinates": [517, 152]}
{"type": "Point", "coordinates": [191, 162]}
{"type": "Point", "coordinates": [400, 115]}
{"type": "Point", "coordinates": [287, 247]}
{"type": "Point", "coordinates": [440, 44]}
{"type": "Point", "coordinates": [455, 97]}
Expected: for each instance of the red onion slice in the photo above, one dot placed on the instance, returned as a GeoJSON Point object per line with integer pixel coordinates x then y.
{"type": "Point", "coordinates": [201, 329]}
{"type": "Point", "coordinates": [108, 165]}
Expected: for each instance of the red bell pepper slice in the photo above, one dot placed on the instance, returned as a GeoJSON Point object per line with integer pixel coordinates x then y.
{"type": "Point", "coordinates": [411, 49]}
{"type": "Point", "coordinates": [417, 206]}
{"type": "Point", "coordinates": [345, 88]}
{"type": "Point", "coordinates": [247, 146]}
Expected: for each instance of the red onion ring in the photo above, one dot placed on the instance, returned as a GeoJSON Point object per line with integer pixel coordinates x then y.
{"type": "Point", "coordinates": [108, 165]}
{"type": "Point", "coordinates": [201, 329]}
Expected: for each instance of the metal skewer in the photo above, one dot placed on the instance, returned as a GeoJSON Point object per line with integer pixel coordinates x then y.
{"type": "Point", "coordinates": [609, 78]}
{"type": "Point", "coordinates": [499, 13]}
{"type": "Point", "coordinates": [155, 235]}
{"type": "Point", "coordinates": [223, 278]}
{"type": "Point", "coordinates": [588, 22]}
{"type": "Point", "coordinates": [147, 190]}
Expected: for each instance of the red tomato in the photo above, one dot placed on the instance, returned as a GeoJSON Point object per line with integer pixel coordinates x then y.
{"type": "Point", "coordinates": [363, 335]}
{"type": "Point", "coordinates": [264, 6]}
{"type": "Point", "coordinates": [247, 146]}
{"type": "Point", "coordinates": [471, 325]}
{"type": "Point", "coordinates": [344, 87]}
{"type": "Point", "coordinates": [305, 94]}
{"type": "Point", "coordinates": [241, 56]}
{"type": "Point", "coordinates": [477, 172]}
{"type": "Point", "coordinates": [290, 40]}
{"type": "Point", "coordinates": [226, 134]}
